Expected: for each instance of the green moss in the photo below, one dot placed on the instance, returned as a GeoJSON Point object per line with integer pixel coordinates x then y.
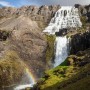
{"type": "Point", "coordinates": [50, 48]}
{"type": "Point", "coordinates": [53, 76]}
{"type": "Point", "coordinates": [66, 78]}
{"type": "Point", "coordinates": [65, 63]}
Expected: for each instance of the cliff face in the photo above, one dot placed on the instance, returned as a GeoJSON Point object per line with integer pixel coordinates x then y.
{"type": "Point", "coordinates": [84, 11]}
{"type": "Point", "coordinates": [80, 42]}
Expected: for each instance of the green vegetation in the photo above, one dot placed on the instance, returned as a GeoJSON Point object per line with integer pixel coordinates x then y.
{"type": "Point", "coordinates": [11, 70]}
{"type": "Point", "coordinates": [72, 74]}
{"type": "Point", "coordinates": [50, 48]}
{"type": "Point", "coordinates": [65, 63]}
{"type": "Point", "coordinates": [55, 77]}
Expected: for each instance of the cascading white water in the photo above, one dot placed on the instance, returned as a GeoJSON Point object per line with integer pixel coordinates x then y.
{"type": "Point", "coordinates": [61, 50]}
{"type": "Point", "coordinates": [65, 17]}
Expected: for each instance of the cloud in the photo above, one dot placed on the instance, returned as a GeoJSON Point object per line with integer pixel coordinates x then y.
{"type": "Point", "coordinates": [4, 3]}
{"type": "Point", "coordinates": [19, 3]}
{"type": "Point", "coordinates": [60, 2]}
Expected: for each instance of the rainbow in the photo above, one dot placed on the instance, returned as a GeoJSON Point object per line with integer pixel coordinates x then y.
{"type": "Point", "coordinates": [30, 75]}
{"type": "Point", "coordinates": [29, 72]}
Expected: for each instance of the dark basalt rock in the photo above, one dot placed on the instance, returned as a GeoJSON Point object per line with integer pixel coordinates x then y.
{"type": "Point", "coordinates": [4, 35]}
{"type": "Point", "coordinates": [62, 32]}
{"type": "Point", "coordinates": [80, 42]}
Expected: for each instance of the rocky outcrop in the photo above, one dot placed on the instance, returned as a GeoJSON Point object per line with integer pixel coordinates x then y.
{"type": "Point", "coordinates": [4, 35]}
{"type": "Point", "coordinates": [43, 13]}
{"type": "Point", "coordinates": [80, 42]}
{"type": "Point", "coordinates": [84, 10]}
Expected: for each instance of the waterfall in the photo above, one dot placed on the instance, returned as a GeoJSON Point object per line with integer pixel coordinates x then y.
{"type": "Point", "coordinates": [61, 50]}
{"type": "Point", "coordinates": [65, 17]}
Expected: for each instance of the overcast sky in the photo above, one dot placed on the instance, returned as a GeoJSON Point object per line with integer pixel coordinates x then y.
{"type": "Point", "coordinates": [19, 3]}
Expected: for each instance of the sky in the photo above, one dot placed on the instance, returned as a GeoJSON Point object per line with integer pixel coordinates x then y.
{"type": "Point", "coordinates": [19, 3]}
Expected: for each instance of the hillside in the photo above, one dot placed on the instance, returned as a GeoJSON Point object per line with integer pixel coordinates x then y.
{"type": "Point", "coordinates": [21, 32]}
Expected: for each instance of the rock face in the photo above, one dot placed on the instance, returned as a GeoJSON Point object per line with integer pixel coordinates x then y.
{"type": "Point", "coordinates": [80, 42]}
{"type": "Point", "coordinates": [84, 10]}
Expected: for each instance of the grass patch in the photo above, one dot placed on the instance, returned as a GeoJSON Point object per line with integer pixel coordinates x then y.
{"type": "Point", "coordinates": [53, 76]}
